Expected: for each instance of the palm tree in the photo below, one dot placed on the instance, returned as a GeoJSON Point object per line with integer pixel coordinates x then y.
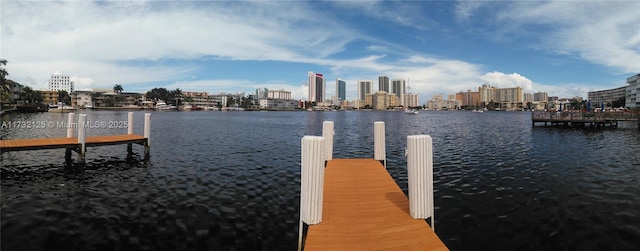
{"type": "Point", "coordinates": [3, 73]}
{"type": "Point", "coordinates": [118, 88]}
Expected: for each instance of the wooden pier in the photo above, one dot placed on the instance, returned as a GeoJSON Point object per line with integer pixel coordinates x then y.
{"type": "Point", "coordinates": [573, 119]}
{"type": "Point", "coordinates": [81, 142]}
{"type": "Point", "coordinates": [364, 209]}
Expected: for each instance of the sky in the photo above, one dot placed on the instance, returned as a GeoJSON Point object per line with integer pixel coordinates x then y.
{"type": "Point", "coordinates": [565, 48]}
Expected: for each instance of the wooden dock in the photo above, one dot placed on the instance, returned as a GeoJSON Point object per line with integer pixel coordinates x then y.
{"type": "Point", "coordinates": [364, 209]}
{"type": "Point", "coordinates": [81, 142]}
{"type": "Point", "coordinates": [596, 119]}
{"type": "Point", "coordinates": [52, 143]}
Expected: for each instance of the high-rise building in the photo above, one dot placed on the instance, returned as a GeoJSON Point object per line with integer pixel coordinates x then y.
{"type": "Point", "coordinates": [316, 87]}
{"type": "Point", "coordinates": [60, 82]}
{"type": "Point", "coordinates": [632, 99]}
{"type": "Point", "coordinates": [540, 96]}
{"type": "Point", "coordinates": [528, 97]}
{"type": "Point", "coordinates": [411, 100]}
{"type": "Point", "coordinates": [341, 90]}
{"type": "Point", "coordinates": [383, 84]}
{"type": "Point", "coordinates": [398, 87]}
{"type": "Point", "coordinates": [364, 89]}
{"type": "Point", "coordinates": [279, 94]}
{"type": "Point", "coordinates": [262, 92]}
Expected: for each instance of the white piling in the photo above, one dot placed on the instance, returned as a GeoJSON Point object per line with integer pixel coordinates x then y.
{"type": "Point", "coordinates": [147, 135]}
{"type": "Point", "coordinates": [420, 175]}
{"type": "Point", "coordinates": [379, 142]}
{"type": "Point", "coordinates": [147, 126]}
{"type": "Point", "coordinates": [82, 137]}
{"type": "Point", "coordinates": [327, 133]}
{"type": "Point", "coordinates": [312, 179]}
{"type": "Point", "coordinates": [70, 125]}
{"type": "Point", "coordinates": [311, 182]}
{"type": "Point", "coordinates": [130, 123]}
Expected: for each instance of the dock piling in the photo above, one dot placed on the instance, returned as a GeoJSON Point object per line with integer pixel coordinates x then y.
{"type": "Point", "coordinates": [379, 143]}
{"type": "Point", "coordinates": [69, 125]}
{"type": "Point", "coordinates": [420, 177]}
{"type": "Point", "coordinates": [130, 123]}
{"type": "Point", "coordinates": [82, 138]}
{"type": "Point", "coordinates": [327, 133]}
{"type": "Point", "coordinates": [147, 135]}
{"type": "Point", "coordinates": [67, 154]}
{"type": "Point", "coordinates": [311, 182]}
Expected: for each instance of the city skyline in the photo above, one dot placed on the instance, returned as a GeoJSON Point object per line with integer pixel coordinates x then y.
{"type": "Point", "coordinates": [563, 48]}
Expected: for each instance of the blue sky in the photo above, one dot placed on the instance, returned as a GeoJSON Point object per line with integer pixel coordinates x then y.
{"type": "Point", "coordinates": [565, 48]}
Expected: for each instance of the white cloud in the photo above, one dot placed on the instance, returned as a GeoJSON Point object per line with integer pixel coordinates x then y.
{"type": "Point", "coordinates": [600, 32]}
{"type": "Point", "coordinates": [502, 80]}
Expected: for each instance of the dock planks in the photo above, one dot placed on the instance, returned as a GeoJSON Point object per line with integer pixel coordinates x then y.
{"type": "Point", "coordinates": [364, 209]}
{"type": "Point", "coordinates": [50, 143]}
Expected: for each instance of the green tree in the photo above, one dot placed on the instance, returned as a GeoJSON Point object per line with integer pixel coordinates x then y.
{"type": "Point", "coordinates": [619, 102]}
{"type": "Point", "coordinates": [175, 96]}
{"type": "Point", "coordinates": [118, 88]}
{"type": "Point", "coordinates": [31, 96]}
{"type": "Point", "coordinates": [230, 101]}
{"type": "Point", "coordinates": [5, 86]}
{"type": "Point", "coordinates": [157, 94]}
{"type": "Point", "coordinates": [117, 100]}
{"type": "Point", "coordinates": [3, 75]}
{"type": "Point", "coordinates": [63, 96]}
{"type": "Point", "coordinates": [247, 101]}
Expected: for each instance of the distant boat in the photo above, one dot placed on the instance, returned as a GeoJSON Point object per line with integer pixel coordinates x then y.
{"type": "Point", "coordinates": [64, 108]}
{"type": "Point", "coordinates": [161, 105]}
{"type": "Point", "coordinates": [407, 111]}
{"type": "Point", "coordinates": [477, 110]}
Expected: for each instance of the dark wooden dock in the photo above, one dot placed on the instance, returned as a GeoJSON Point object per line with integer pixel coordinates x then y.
{"type": "Point", "coordinates": [81, 142]}
{"type": "Point", "coordinates": [581, 119]}
{"type": "Point", "coordinates": [364, 209]}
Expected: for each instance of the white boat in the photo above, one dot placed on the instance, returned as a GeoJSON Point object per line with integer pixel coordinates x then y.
{"type": "Point", "coordinates": [161, 105]}
{"type": "Point", "coordinates": [477, 110]}
{"type": "Point", "coordinates": [64, 108]}
{"type": "Point", "coordinates": [407, 111]}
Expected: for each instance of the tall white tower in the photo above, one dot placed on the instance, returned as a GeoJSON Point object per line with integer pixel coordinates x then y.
{"type": "Point", "coordinates": [60, 82]}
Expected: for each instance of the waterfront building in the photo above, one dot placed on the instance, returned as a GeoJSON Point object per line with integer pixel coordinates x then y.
{"type": "Point", "coordinates": [261, 93]}
{"type": "Point", "coordinates": [502, 98]}
{"type": "Point", "coordinates": [60, 82]}
{"type": "Point", "coordinates": [112, 99]}
{"type": "Point", "coordinates": [398, 88]}
{"type": "Point", "coordinates": [316, 87]}
{"type": "Point", "coordinates": [341, 90]}
{"type": "Point", "coordinates": [632, 92]}
{"type": "Point", "coordinates": [50, 97]}
{"type": "Point", "coordinates": [607, 97]}
{"type": "Point", "coordinates": [468, 98]}
{"type": "Point", "coordinates": [528, 97]}
{"type": "Point", "coordinates": [197, 98]}
{"type": "Point", "coordinates": [277, 104]}
{"type": "Point", "coordinates": [436, 102]}
{"type": "Point", "coordinates": [364, 89]}
{"type": "Point", "coordinates": [279, 94]}
{"type": "Point", "coordinates": [14, 90]}
{"type": "Point", "coordinates": [541, 96]}
{"type": "Point", "coordinates": [381, 100]}
{"type": "Point", "coordinates": [411, 100]}
{"type": "Point", "coordinates": [383, 84]}
{"type": "Point", "coordinates": [81, 98]}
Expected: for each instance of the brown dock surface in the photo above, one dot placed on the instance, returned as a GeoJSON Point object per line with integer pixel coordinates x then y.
{"type": "Point", "coordinates": [364, 209]}
{"type": "Point", "coordinates": [49, 143]}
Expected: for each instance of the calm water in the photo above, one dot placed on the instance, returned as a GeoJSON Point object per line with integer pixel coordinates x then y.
{"type": "Point", "coordinates": [231, 181]}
